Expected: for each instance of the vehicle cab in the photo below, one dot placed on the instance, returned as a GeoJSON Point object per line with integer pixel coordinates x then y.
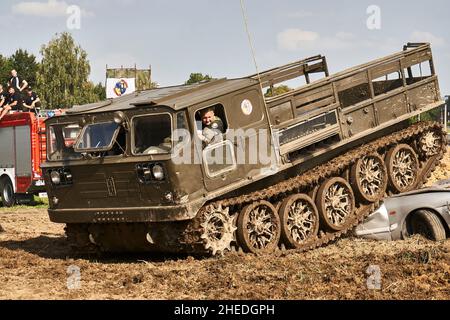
{"type": "Point", "coordinates": [139, 158]}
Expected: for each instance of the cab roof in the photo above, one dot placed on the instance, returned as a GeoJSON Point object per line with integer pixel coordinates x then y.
{"type": "Point", "coordinates": [176, 97]}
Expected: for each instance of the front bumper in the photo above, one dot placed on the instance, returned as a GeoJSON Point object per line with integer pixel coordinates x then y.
{"type": "Point", "coordinates": [125, 215]}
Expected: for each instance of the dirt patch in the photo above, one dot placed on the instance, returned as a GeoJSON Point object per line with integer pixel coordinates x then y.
{"type": "Point", "coordinates": [443, 171]}
{"type": "Point", "coordinates": [35, 263]}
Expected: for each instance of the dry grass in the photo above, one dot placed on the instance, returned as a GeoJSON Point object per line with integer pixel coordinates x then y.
{"type": "Point", "coordinates": [34, 259]}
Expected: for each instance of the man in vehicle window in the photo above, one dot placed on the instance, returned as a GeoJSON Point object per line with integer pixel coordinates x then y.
{"type": "Point", "coordinates": [212, 127]}
{"type": "Point", "coordinates": [16, 82]}
{"type": "Point", "coordinates": [32, 101]}
{"type": "Point", "coordinates": [14, 102]}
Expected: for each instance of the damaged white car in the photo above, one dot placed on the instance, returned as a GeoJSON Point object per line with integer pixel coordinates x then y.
{"type": "Point", "coordinates": [425, 212]}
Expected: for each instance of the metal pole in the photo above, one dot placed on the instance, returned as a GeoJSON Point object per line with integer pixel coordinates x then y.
{"type": "Point", "coordinates": [447, 101]}
{"type": "Point", "coordinates": [106, 81]}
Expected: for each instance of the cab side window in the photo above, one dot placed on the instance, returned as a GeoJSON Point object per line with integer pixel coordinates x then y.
{"type": "Point", "coordinates": [211, 124]}
{"type": "Point", "coordinates": [215, 112]}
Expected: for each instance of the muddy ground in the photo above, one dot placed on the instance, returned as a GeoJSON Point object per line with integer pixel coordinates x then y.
{"type": "Point", "coordinates": [35, 261]}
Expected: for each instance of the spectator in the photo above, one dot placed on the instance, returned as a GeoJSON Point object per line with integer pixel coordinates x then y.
{"type": "Point", "coordinates": [3, 98]}
{"type": "Point", "coordinates": [32, 101]}
{"type": "Point", "coordinates": [15, 82]}
{"type": "Point", "coordinates": [14, 102]}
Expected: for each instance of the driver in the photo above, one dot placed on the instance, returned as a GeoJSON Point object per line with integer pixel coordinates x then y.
{"type": "Point", "coordinates": [212, 127]}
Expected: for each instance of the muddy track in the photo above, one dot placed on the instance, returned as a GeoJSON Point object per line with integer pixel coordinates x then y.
{"type": "Point", "coordinates": [338, 167]}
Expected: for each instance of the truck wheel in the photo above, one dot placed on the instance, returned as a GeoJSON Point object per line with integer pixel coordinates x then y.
{"type": "Point", "coordinates": [425, 223]}
{"type": "Point", "coordinates": [299, 220]}
{"type": "Point", "coordinates": [369, 178]}
{"type": "Point", "coordinates": [430, 144]}
{"type": "Point", "coordinates": [7, 193]}
{"type": "Point", "coordinates": [336, 204]}
{"type": "Point", "coordinates": [258, 228]}
{"type": "Point", "coordinates": [402, 166]}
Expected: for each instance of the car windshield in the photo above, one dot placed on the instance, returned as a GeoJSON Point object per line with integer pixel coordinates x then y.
{"type": "Point", "coordinates": [61, 138]}
{"type": "Point", "coordinates": [97, 137]}
{"type": "Point", "coordinates": [152, 134]}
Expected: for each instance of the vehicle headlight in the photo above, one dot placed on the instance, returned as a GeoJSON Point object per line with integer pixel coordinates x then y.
{"type": "Point", "coordinates": [55, 177]}
{"type": "Point", "coordinates": [68, 176]}
{"type": "Point", "coordinates": [158, 172]}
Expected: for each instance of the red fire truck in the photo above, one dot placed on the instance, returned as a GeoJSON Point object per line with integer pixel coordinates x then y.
{"type": "Point", "coordinates": [22, 150]}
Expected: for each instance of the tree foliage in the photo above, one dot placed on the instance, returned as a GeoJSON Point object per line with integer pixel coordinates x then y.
{"type": "Point", "coordinates": [63, 74]}
{"type": "Point", "coordinates": [198, 77]}
{"type": "Point", "coordinates": [277, 91]}
{"type": "Point", "coordinates": [5, 69]}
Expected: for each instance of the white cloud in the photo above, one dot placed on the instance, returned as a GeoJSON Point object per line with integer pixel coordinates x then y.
{"type": "Point", "coordinates": [345, 36]}
{"type": "Point", "coordinates": [423, 36]}
{"type": "Point", "coordinates": [297, 39]}
{"type": "Point", "coordinates": [300, 40]}
{"type": "Point", "coordinates": [299, 14]}
{"type": "Point", "coordinates": [293, 39]}
{"type": "Point", "coordinates": [51, 8]}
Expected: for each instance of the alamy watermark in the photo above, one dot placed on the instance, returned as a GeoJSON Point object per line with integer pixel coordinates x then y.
{"type": "Point", "coordinates": [74, 278]}
{"type": "Point", "coordinates": [374, 20]}
{"type": "Point", "coordinates": [74, 17]}
{"type": "Point", "coordinates": [374, 279]}
{"type": "Point", "coordinates": [236, 147]}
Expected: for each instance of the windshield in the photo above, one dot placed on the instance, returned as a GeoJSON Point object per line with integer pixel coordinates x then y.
{"type": "Point", "coordinates": [62, 138]}
{"type": "Point", "coordinates": [152, 134]}
{"type": "Point", "coordinates": [97, 137]}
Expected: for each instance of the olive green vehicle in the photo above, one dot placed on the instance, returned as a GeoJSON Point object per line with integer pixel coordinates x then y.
{"type": "Point", "coordinates": [336, 146]}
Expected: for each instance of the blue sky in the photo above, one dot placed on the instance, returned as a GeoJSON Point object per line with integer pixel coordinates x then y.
{"type": "Point", "coordinates": [180, 37]}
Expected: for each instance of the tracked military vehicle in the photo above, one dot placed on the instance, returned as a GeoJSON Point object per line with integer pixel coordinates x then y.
{"type": "Point", "coordinates": [336, 146]}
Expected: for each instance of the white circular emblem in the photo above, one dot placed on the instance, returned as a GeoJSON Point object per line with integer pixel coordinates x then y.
{"type": "Point", "coordinates": [247, 107]}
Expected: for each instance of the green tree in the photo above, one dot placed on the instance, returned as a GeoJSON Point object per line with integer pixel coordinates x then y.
{"type": "Point", "coordinates": [5, 69]}
{"type": "Point", "coordinates": [198, 77]}
{"type": "Point", "coordinates": [100, 91]}
{"type": "Point", "coordinates": [63, 74]}
{"type": "Point", "coordinates": [25, 64]}
{"type": "Point", "coordinates": [277, 91]}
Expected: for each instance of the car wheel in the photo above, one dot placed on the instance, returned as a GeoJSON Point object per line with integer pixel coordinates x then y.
{"type": "Point", "coordinates": [425, 223]}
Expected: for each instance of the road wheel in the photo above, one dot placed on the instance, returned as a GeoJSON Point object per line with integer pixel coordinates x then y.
{"type": "Point", "coordinates": [299, 220]}
{"type": "Point", "coordinates": [430, 144]}
{"type": "Point", "coordinates": [7, 192]}
{"type": "Point", "coordinates": [336, 204]}
{"type": "Point", "coordinates": [403, 168]}
{"type": "Point", "coordinates": [425, 223]}
{"type": "Point", "coordinates": [369, 178]}
{"type": "Point", "coordinates": [218, 229]}
{"type": "Point", "coordinates": [258, 228]}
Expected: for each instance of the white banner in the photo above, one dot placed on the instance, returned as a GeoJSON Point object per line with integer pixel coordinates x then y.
{"type": "Point", "coordinates": [119, 87]}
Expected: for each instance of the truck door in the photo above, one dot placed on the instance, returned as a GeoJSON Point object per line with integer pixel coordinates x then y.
{"type": "Point", "coordinates": [245, 149]}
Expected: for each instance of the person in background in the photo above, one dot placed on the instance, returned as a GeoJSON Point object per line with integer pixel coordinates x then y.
{"type": "Point", "coordinates": [3, 98]}
{"type": "Point", "coordinates": [16, 82]}
{"type": "Point", "coordinates": [14, 102]}
{"type": "Point", "coordinates": [32, 101]}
